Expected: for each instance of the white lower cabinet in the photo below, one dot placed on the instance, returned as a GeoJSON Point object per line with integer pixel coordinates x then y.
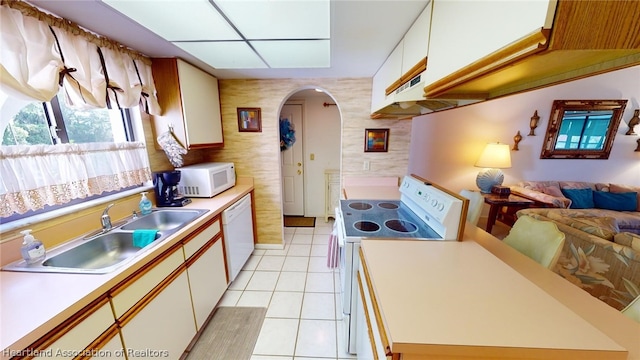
{"type": "Point", "coordinates": [162, 326]}
{"type": "Point", "coordinates": [90, 332]}
{"type": "Point", "coordinates": [370, 338]}
{"type": "Point", "coordinates": [154, 313]}
{"type": "Point", "coordinates": [207, 279]}
{"type": "Point", "coordinates": [154, 309]}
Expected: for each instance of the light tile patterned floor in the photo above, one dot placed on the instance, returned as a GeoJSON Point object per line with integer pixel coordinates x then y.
{"type": "Point", "coordinates": [303, 320]}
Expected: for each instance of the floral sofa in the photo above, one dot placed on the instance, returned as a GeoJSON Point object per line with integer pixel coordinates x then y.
{"type": "Point", "coordinates": [601, 253]}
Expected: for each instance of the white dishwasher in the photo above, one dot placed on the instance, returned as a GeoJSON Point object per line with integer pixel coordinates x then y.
{"type": "Point", "coordinates": [237, 225]}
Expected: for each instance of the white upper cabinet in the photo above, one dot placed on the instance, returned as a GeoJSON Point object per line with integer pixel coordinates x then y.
{"type": "Point", "coordinates": [388, 73]}
{"type": "Point", "coordinates": [200, 105]}
{"type": "Point", "coordinates": [416, 41]}
{"type": "Point", "coordinates": [463, 31]}
{"type": "Point", "coordinates": [403, 63]}
{"type": "Point", "coordinates": [190, 104]}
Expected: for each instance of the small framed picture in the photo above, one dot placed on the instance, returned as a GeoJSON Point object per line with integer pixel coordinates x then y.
{"type": "Point", "coordinates": [249, 120]}
{"type": "Point", "coordinates": [376, 140]}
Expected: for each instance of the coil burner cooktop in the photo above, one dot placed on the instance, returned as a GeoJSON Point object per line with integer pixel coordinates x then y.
{"type": "Point", "coordinates": [383, 219]}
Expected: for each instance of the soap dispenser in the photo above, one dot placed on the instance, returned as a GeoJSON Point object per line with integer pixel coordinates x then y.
{"type": "Point", "coordinates": [145, 204]}
{"type": "Point", "coordinates": [32, 250]}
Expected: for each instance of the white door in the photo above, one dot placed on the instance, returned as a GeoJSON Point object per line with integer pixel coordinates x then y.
{"type": "Point", "coordinates": [292, 166]}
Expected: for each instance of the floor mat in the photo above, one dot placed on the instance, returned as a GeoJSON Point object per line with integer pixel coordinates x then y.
{"type": "Point", "coordinates": [231, 334]}
{"type": "Point", "coordinates": [299, 221]}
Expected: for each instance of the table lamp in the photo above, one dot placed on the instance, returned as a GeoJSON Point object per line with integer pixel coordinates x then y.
{"type": "Point", "coordinates": [494, 157]}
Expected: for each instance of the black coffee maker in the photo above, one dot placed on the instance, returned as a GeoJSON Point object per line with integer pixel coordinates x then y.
{"type": "Point", "coordinates": [166, 189]}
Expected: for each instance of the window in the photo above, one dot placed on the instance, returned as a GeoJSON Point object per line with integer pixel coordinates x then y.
{"type": "Point", "coordinates": [55, 123]}
{"type": "Point", "coordinates": [54, 156]}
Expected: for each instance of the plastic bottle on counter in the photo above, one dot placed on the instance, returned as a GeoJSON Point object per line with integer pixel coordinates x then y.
{"type": "Point", "coordinates": [145, 204]}
{"type": "Point", "coordinates": [32, 250]}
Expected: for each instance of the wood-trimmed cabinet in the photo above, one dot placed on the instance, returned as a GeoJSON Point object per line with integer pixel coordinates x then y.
{"type": "Point", "coordinates": [155, 312]}
{"type": "Point", "coordinates": [161, 319]}
{"type": "Point", "coordinates": [90, 333]}
{"type": "Point", "coordinates": [206, 269]}
{"type": "Point", "coordinates": [406, 61]}
{"type": "Point", "coordinates": [190, 103]}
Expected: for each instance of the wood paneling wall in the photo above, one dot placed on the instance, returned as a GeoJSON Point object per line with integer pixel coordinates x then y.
{"type": "Point", "coordinates": [257, 155]}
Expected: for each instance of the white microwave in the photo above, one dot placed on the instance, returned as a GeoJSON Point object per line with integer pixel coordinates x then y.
{"type": "Point", "coordinates": [206, 180]}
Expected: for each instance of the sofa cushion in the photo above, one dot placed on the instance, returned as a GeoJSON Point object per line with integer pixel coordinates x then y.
{"type": "Point", "coordinates": [628, 239]}
{"type": "Point", "coordinates": [624, 201]}
{"type": "Point", "coordinates": [602, 227]}
{"type": "Point", "coordinates": [580, 198]}
{"type": "Point", "coordinates": [616, 188]}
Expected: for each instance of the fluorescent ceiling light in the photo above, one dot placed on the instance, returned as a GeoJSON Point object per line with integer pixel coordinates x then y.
{"type": "Point", "coordinates": [178, 20]}
{"type": "Point", "coordinates": [232, 34]}
{"type": "Point", "coordinates": [224, 55]}
{"type": "Point", "coordinates": [288, 19]}
{"type": "Point", "coordinates": [294, 54]}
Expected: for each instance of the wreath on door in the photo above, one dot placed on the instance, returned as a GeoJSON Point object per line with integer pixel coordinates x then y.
{"type": "Point", "coordinates": [287, 134]}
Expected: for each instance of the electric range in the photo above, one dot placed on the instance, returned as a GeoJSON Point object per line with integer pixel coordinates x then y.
{"type": "Point", "coordinates": [383, 219]}
{"type": "Point", "coordinates": [425, 212]}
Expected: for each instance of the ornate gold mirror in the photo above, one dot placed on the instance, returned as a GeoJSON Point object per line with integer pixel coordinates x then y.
{"type": "Point", "coordinates": [582, 129]}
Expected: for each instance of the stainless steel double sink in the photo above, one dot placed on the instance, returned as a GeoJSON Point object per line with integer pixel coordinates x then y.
{"type": "Point", "coordinates": [106, 251]}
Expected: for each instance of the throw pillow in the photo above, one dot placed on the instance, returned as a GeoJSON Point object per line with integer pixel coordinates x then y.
{"type": "Point", "coordinates": [615, 188]}
{"type": "Point", "coordinates": [553, 191]}
{"type": "Point", "coordinates": [580, 198]}
{"type": "Point", "coordinates": [628, 239]}
{"type": "Point", "coordinates": [627, 201]}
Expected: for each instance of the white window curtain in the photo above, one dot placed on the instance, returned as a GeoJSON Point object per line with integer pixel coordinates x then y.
{"type": "Point", "coordinates": [38, 175]}
{"type": "Point", "coordinates": [41, 52]}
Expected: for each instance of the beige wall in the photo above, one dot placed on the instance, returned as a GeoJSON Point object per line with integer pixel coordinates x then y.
{"type": "Point", "coordinates": [446, 144]}
{"type": "Point", "coordinates": [258, 154]}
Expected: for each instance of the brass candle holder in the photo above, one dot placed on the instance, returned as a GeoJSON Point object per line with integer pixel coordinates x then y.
{"type": "Point", "coordinates": [533, 123]}
{"type": "Point", "coordinates": [635, 120]}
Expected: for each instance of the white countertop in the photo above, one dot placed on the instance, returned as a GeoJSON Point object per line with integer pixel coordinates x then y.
{"type": "Point", "coordinates": [31, 304]}
{"type": "Point", "coordinates": [454, 299]}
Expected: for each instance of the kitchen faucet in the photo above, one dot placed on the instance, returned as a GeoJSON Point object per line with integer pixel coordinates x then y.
{"type": "Point", "coordinates": [106, 219]}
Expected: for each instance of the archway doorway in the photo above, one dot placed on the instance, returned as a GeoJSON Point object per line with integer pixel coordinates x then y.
{"type": "Point", "coordinates": [317, 128]}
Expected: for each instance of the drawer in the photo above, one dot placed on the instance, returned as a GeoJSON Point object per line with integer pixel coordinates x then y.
{"type": "Point", "coordinates": [196, 242]}
{"type": "Point", "coordinates": [126, 295]}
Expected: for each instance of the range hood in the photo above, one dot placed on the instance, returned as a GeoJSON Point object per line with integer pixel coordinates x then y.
{"type": "Point", "coordinates": [408, 101]}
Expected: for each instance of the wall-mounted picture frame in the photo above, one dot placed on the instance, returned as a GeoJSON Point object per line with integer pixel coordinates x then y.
{"type": "Point", "coordinates": [376, 140]}
{"type": "Point", "coordinates": [249, 120]}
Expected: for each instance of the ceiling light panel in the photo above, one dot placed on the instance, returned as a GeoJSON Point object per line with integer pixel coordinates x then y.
{"type": "Point", "coordinates": [178, 20]}
{"type": "Point", "coordinates": [279, 19]}
{"type": "Point", "coordinates": [295, 54]}
{"type": "Point", "coordinates": [224, 55]}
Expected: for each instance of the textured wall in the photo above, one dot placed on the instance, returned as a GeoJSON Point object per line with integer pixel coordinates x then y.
{"type": "Point", "coordinates": [258, 154]}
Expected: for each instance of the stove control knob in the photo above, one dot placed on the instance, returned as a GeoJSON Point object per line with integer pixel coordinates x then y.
{"type": "Point", "coordinates": [434, 202]}
{"type": "Point", "coordinates": [441, 207]}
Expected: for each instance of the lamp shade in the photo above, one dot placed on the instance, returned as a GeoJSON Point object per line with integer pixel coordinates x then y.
{"type": "Point", "coordinates": [495, 156]}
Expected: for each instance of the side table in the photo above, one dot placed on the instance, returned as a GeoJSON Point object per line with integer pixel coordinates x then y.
{"type": "Point", "coordinates": [512, 202]}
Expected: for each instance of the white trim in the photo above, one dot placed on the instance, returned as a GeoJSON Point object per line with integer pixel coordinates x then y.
{"type": "Point", "coordinates": [269, 246]}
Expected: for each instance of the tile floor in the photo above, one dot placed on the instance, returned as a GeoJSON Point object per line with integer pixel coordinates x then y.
{"type": "Point", "coordinates": [303, 320]}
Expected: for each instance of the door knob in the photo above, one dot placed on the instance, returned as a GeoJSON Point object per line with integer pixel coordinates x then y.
{"type": "Point", "coordinates": [299, 164]}
{"type": "Point", "coordinates": [299, 172]}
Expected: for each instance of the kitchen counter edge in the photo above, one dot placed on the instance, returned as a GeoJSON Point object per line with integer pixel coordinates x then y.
{"type": "Point", "coordinates": [32, 304]}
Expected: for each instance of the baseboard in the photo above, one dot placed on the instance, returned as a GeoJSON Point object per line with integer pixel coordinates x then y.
{"type": "Point", "coordinates": [269, 246]}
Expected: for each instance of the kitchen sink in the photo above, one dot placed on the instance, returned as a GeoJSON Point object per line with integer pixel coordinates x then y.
{"type": "Point", "coordinates": [163, 220]}
{"type": "Point", "coordinates": [106, 251]}
{"type": "Point", "coordinates": [101, 252]}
